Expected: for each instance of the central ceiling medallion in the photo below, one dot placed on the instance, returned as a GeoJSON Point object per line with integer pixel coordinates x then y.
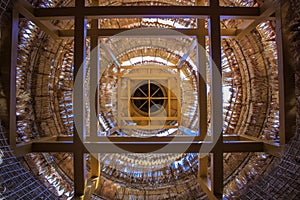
{"type": "Point", "coordinates": [149, 97]}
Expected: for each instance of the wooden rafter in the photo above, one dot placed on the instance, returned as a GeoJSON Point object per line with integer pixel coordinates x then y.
{"type": "Point", "coordinates": [225, 33]}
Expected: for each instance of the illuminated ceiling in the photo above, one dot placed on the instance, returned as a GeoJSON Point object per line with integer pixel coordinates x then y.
{"type": "Point", "coordinates": [250, 99]}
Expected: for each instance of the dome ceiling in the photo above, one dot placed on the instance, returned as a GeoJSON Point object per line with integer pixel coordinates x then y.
{"type": "Point", "coordinates": [250, 92]}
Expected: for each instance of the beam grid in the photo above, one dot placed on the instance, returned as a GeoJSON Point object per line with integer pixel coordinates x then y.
{"type": "Point", "coordinates": [213, 187]}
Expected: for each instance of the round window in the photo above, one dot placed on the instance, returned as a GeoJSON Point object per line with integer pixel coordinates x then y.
{"type": "Point", "coordinates": [149, 98]}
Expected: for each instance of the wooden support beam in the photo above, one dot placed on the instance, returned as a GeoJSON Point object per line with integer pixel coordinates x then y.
{"type": "Point", "coordinates": [8, 56]}
{"type": "Point", "coordinates": [216, 102]}
{"type": "Point", "coordinates": [141, 146]}
{"type": "Point", "coordinates": [203, 165]}
{"type": "Point", "coordinates": [266, 11]}
{"type": "Point", "coordinates": [225, 33]}
{"type": "Point", "coordinates": [147, 139]}
{"type": "Point", "coordinates": [64, 138]}
{"type": "Point", "coordinates": [62, 146]}
{"type": "Point", "coordinates": [79, 102]}
{"type": "Point", "coordinates": [217, 173]}
{"type": "Point", "coordinates": [271, 147]}
{"type": "Point", "coordinates": [95, 169]}
{"type": "Point", "coordinates": [79, 174]}
{"type": "Point", "coordinates": [148, 11]}
{"type": "Point", "coordinates": [202, 90]}
{"type": "Point", "coordinates": [286, 77]}
{"type": "Point", "coordinates": [26, 9]}
{"type": "Point", "coordinates": [22, 149]}
{"type": "Point", "coordinates": [242, 146]}
{"type": "Point", "coordinates": [94, 79]}
{"type": "Point", "coordinates": [205, 185]}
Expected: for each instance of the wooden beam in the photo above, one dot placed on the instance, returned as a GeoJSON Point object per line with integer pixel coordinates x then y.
{"type": "Point", "coordinates": [143, 146]}
{"type": "Point", "coordinates": [95, 169]}
{"type": "Point", "coordinates": [64, 138]}
{"type": "Point", "coordinates": [79, 174]}
{"type": "Point", "coordinates": [205, 185]}
{"type": "Point", "coordinates": [225, 33]}
{"type": "Point", "coordinates": [286, 77]}
{"type": "Point", "coordinates": [217, 173]}
{"type": "Point", "coordinates": [202, 90]}
{"type": "Point", "coordinates": [203, 165]}
{"type": "Point", "coordinates": [62, 146]}
{"type": "Point", "coordinates": [265, 11]}
{"type": "Point", "coordinates": [231, 137]}
{"type": "Point", "coordinates": [94, 79]}
{"type": "Point", "coordinates": [216, 102]}
{"type": "Point", "coordinates": [148, 11]}
{"type": "Point", "coordinates": [26, 9]}
{"type": "Point", "coordinates": [79, 102]}
{"type": "Point", "coordinates": [12, 65]}
{"type": "Point", "coordinates": [147, 139]}
{"type": "Point", "coordinates": [22, 149]}
{"type": "Point", "coordinates": [243, 146]}
{"type": "Point", "coordinates": [148, 118]}
{"type": "Point", "coordinates": [271, 147]}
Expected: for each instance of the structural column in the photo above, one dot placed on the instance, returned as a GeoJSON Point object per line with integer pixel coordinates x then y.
{"type": "Point", "coordinates": [9, 55]}
{"type": "Point", "coordinates": [79, 101]}
{"type": "Point", "coordinates": [286, 77]}
{"type": "Point", "coordinates": [216, 102]}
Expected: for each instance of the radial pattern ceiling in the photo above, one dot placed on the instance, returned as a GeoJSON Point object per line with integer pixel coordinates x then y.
{"type": "Point", "coordinates": [250, 101]}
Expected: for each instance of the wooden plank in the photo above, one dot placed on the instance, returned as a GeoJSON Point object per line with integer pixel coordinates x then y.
{"type": "Point", "coordinates": [94, 79]}
{"type": "Point", "coordinates": [231, 137]}
{"type": "Point", "coordinates": [12, 78]}
{"type": "Point", "coordinates": [146, 146]}
{"type": "Point", "coordinates": [149, 126]}
{"type": "Point", "coordinates": [286, 77]}
{"type": "Point", "coordinates": [123, 147]}
{"type": "Point", "coordinates": [64, 138]}
{"type": "Point", "coordinates": [205, 185]}
{"type": "Point", "coordinates": [128, 100]}
{"type": "Point", "coordinates": [203, 166]}
{"type": "Point", "coordinates": [63, 146]}
{"type": "Point", "coordinates": [79, 102]}
{"type": "Point", "coordinates": [119, 97]}
{"type": "Point", "coordinates": [225, 33]}
{"type": "Point", "coordinates": [202, 90]}
{"type": "Point", "coordinates": [169, 100]}
{"type": "Point", "coordinates": [79, 174]}
{"type": "Point", "coordinates": [147, 67]}
{"type": "Point", "coordinates": [22, 149]}
{"type": "Point", "coordinates": [217, 173]}
{"type": "Point", "coordinates": [148, 11]}
{"type": "Point", "coordinates": [178, 95]}
{"type": "Point", "coordinates": [216, 103]}
{"type": "Point", "coordinates": [271, 147]}
{"type": "Point", "coordinates": [161, 76]}
{"type": "Point", "coordinates": [149, 118]}
{"type": "Point", "coordinates": [243, 146]}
